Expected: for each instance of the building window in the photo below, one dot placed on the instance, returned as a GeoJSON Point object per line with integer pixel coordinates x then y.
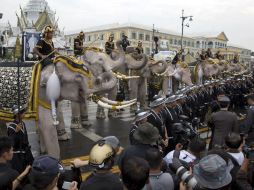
{"type": "Point", "coordinates": [141, 37]}
{"type": "Point", "coordinates": [133, 35]}
{"type": "Point", "coordinates": [147, 37]}
{"type": "Point", "coordinates": [197, 44]}
{"type": "Point", "coordinates": [89, 38]}
{"type": "Point", "coordinates": [175, 41]}
{"type": "Point", "coordinates": [171, 41]}
{"type": "Point", "coordinates": [188, 44]}
{"type": "Point", "coordinates": [179, 42]}
{"type": "Point", "coordinates": [192, 44]}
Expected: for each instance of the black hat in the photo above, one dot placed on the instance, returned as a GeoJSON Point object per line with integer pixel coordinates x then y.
{"type": "Point", "coordinates": [15, 109]}
{"type": "Point", "coordinates": [146, 133]}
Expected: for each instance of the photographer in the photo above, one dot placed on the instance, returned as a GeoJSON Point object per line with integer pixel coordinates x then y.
{"type": "Point", "coordinates": [157, 179]}
{"type": "Point", "coordinates": [101, 158]}
{"type": "Point", "coordinates": [234, 143]}
{"type": "Point", "coordinates": [212, 172]}
{"type": "Point", "coordinates": [195, 147]}
{"type": "Point", "coordinates": [45, 173]}
{"type": "Point", "coordinates": [242, 181]}
{"type": "Point", "coordinates": [147, 136]}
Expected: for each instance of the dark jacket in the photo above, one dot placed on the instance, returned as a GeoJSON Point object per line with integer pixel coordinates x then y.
{"type": "Point", "coordinates": [222, 123]}
{"type": "Point", "coordinates": [249, 124]}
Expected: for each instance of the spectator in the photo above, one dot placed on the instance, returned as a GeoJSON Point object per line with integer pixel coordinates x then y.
{"type": "Point", "coordinates": [135, 173]}
{"type": "Point", "coordinates": [102, 159]}
{"type": "Point", "coordinates": [234, 143]}
{"type": "Point", "coordinates": [157, 179]}
{"type": "Point", "coordinates": [242, 182]}
{"type": "Point", "coordinates": [146, 136]}
{"type": "Point", "coordinates": [212, 172]}
{"type": "Point", "coordinates": [16, 130]}
{"type": "Point", "coordinates": [9, 178]}
{"type": "Point", "coordinates": [222, 123]}
{"type": "Point", "coordinates": [140, 118]}
{"type": "Point", "coordinates": [45, 173]}
{"type": "Point", "coordinates": [195, 147]}
{"type": "Point", "coordinates": [249, 121]}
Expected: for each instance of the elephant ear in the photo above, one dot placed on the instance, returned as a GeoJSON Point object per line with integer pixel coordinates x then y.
{"type": "Point", "coordinates": [45, 74]}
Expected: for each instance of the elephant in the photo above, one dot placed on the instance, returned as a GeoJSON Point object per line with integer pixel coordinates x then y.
{"type": "Point", "coordinates": [73, 85]}
{"type": "Point", "coordinates": [119, 62]}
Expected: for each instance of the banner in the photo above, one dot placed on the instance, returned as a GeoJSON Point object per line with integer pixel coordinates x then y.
{"type": "Point", "coordinates": [30, 40]}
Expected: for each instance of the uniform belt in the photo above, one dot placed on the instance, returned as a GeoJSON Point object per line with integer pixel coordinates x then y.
{"type": "Point", "coordinates": [19, 152]}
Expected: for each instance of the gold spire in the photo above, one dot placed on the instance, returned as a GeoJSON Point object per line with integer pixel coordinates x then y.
{"type": "Point", "coordinates": [42, 21]}
{"type": "Point", "coordinates": [17, 52]}
{"type": "Point", "coordinates": [23, 16]}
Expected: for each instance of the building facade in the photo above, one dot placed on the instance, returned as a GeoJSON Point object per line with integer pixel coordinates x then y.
{"type": "Point", "coordinates": [168, 40]}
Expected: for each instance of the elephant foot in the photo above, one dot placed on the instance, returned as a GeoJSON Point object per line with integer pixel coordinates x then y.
{"type": "Point", "coordinates": [64, 137]}
{"type": "Point", "coordinates": [75, 123]}
{"type": "Point", "coordinates": [86, 123]}
{"type": "Point", "coordinates": [112, 114]}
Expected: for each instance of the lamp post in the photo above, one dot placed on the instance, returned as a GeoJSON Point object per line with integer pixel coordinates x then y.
{"type": "Point", "coordinates": [153, 50]}
{"type": "Point", "coordinates": [183, 25]}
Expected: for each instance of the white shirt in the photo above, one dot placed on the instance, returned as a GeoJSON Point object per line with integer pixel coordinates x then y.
{"type": "Point", "coordinates": [239, 157]}
{"type": "Point", "coordinates": [184, 155]}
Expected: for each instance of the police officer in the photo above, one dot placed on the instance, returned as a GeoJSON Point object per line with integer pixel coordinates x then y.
{"type": "Point", "coordinates": [249, 121]}
{"type": "Point", "coordinates": [45, 47]}
{"type": "Point", "coordinates": [139, 48]}
{"type": "Point", "coordinates": [156, 118]}
{"type": "Point", "coordinates": [109, 45]}
{"type": "Point", "coordinates": [16, 130]}
{"type": "Point", "coordinates": [125, 42]}
{"type": "Point", "coordinates": [78, 44]}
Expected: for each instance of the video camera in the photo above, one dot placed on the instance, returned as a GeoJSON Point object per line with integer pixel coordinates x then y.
{"type": "Point", "coordinates": [183, 132]}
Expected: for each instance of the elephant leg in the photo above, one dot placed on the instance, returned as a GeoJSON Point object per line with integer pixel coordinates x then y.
{"type": "Point", "coordinates": [142, 93]}
{"type": "Point", "coordinates": [84, 112]}
{"type": "Point", "coordinates": [112, 95]}
{"type": "Point", "coordinates": [133, 92]}
{"type": "Point", "coordinates": [75, 118]}
{"type": "Point", "coordinates": [61, 132]}
{"type": "Point", "coordinates": [100, 114]}
{"type": "Point", "coordinates": [48, 134]}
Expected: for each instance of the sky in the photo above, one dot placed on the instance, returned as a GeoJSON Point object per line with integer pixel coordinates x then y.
{"type": "Point", "coordinates": [234, 17]}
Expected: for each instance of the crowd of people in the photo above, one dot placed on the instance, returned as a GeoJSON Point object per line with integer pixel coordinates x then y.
{"type": "Point", "coordinates": [165, 151]}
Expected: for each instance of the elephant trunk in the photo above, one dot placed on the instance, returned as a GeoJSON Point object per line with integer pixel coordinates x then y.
{"type": "Point", "coordinates": [104, 82]}
{"type": "Point", "coordinates": [114, 65]}
{"type": "Point", "coordinates": [135, 64]}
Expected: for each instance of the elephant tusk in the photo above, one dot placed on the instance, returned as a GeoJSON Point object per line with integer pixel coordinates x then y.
{"type": "Point", "coordinates": [116, 103]}
{"type": "Point", "coordinates": [113, 107]}
{"type": "Point", "coordinates": [122, 76]}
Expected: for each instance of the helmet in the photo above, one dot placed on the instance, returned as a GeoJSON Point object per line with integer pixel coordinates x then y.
{"type": "Point", "coordinates": [15, 109]}
{"type": "Point", "coordinates": [100, 154]}
{"type": "Point", "coordinates": [47, 29]}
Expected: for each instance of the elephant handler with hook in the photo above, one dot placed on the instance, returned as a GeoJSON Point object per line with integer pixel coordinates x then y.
{"type": "Point", "coordinates": [45, 47]}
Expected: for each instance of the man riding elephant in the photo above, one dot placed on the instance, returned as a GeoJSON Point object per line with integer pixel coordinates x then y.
{"type": "Point", "coordinates": [109, 45]}
{"type": "Point", "coordinates": [45, 47]}
{"type": "Point", "coordinates": [78, 44]}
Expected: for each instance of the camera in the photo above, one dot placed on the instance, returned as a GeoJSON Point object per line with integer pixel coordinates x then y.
{"type": "Point", "coordinates": [185, 175]}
